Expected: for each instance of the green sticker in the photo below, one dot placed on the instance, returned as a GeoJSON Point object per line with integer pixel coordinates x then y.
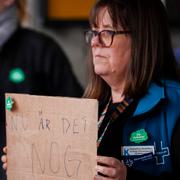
{"type": "Point", "coordinates": [139, 136]}
{"type": "Point", "coordinates": [17, 75]}
{"type": "Point", "coordinates": [9, 103]}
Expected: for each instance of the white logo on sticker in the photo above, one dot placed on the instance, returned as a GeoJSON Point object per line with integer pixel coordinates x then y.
{"type": "Point", "coordinates": [136, 150]}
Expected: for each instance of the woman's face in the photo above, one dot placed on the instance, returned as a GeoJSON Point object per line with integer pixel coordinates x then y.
{"type": "Point", "coordinates": [110, 62]}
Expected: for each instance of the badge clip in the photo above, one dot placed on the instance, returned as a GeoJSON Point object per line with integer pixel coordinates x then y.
{"type": "Point", "coordinates": [9, 103]}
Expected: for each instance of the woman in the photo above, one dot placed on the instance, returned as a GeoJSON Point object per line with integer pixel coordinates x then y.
{"type": "Point", "coordinates": [133, 74]}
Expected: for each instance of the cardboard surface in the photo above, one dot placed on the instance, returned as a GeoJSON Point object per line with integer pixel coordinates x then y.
{"type": "Point", "coordinates": [51, 138]}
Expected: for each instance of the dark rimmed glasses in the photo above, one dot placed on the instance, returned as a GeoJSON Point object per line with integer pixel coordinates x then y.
{"type": "Point", "coordinates": [105, 37]}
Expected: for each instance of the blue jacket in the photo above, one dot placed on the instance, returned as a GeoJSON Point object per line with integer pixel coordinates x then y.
{"type": "Point", "coordinates": [147, 134]}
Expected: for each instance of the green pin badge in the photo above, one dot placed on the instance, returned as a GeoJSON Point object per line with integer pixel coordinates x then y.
{"type": "Point", "coordinates": [16, 75]}
{"type": "Point", "coordinates": [9, 103]}
{"type": "Point", "coordinates": [139, 136]}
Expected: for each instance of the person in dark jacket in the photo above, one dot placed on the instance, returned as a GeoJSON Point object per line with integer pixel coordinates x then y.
{"type": "Point", "coordinates": [135, 77]}
{"type": "Point", "coordinates": [30, 62]}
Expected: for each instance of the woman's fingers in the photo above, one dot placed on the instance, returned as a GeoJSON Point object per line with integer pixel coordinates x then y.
{"type": "Point", "coordinates": [5, 149]}
{"type": "Point", "coordinates": [98, 177]}
{"type": "Point", "coordinates": [110, 161]}
{"type": "Point", "coordinates": [107, 171]}
{"type": "Point", "coordinates": [110, 168]}
{"type": "Point", "coordinates": [4, 160]}
{"type": "Point", "coordinates": [4, 166]}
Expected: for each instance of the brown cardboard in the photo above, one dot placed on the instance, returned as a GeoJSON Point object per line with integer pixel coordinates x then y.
{"type": "Point", "coordinates": [51, 138]}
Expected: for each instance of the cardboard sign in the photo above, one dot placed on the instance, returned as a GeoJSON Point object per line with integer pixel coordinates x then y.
{"type": "Point", "coordinates": [51, 138]}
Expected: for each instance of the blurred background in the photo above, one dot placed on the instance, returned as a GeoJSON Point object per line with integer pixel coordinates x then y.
{"type": "Point", "coordinates": [66, 20]}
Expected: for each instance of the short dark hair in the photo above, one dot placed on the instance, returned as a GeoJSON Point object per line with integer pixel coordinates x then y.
{"type": "Point", "coordinates": [152, 54]}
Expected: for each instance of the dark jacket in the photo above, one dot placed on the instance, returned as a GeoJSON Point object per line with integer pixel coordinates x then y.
{"type": "Point", "coordinates": [33, 63]}
{"type": "Point", "coordinates": [147, 137]}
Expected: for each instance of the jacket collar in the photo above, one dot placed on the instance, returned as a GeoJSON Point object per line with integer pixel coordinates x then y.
{"type": "Point", "coordinates": [154, 95]}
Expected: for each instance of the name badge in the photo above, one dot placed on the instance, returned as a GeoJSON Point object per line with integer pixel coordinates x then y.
{"type": "Point", "coordinates": [136, 150]}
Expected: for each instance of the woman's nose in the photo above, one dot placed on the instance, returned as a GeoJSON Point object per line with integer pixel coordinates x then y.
{"type": "Point", "coordinates": [95, 41]}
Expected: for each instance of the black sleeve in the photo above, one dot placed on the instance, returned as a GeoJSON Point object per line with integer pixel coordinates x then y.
{"type": "Point", "coordinates": [54, 71]}
{"type": "Point", "coordinates": [47, 67]}
{"type": "Point", "coordinates": [61, 77]}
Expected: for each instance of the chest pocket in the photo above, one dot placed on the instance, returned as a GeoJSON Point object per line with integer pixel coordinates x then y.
{"type": "Point", "coordinates": [146, 147]}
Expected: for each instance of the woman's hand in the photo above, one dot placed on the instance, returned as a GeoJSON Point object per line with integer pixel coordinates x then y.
{"type": "Point", "coordinates": [109, 168]}
{"type": "Point", "coordinates": [4, 158]}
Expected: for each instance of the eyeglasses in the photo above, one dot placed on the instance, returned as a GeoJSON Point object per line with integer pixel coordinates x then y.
{"type": "Point", "coordinates": [105, 37]}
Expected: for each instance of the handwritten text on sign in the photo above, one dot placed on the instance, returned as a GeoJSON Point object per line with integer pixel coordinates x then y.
{"type": "Point", "coordinates": [51, 138]}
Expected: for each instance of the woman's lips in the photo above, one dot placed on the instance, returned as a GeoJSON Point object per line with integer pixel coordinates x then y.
{"type": "Point", "coordinates": [99, 56]}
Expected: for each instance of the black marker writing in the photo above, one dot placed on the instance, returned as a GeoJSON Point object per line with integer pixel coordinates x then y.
{"type": "Point", "coordinates": [54, 149]}
{"type": "Point", "coordinates": [35, 155]}
{"type": "Point", "coordinates": [73, 126]}
{"type": "Point", "coordinates": [67, 161]}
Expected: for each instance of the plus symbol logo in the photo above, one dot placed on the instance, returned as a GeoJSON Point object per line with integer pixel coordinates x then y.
{"type": "Point", "coordinates": [160, 153]}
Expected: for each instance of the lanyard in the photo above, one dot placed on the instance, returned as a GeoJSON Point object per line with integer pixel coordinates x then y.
{"type": "Point", "coordinates": [119, 109]}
